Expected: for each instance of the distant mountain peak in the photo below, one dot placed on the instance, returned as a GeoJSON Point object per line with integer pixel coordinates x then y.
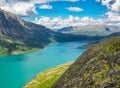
{"type": "Point", "coordinates": [9, 19]}
{"type": "Point", "coordinates": [91, 30]}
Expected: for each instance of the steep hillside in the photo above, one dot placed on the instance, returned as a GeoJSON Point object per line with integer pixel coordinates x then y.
{"type": "Point", "coordinates": [91, 30]}
{"type": "Point", "coordinates": [18, 36]}
{"type": "Point", "coordinates": [27, 33]}
{"type": "Point", "coordinates": [9, 46]}
{"type": "Point", "coordinates": [98, 67]}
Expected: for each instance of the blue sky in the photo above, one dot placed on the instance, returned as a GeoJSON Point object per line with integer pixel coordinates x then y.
{"type": "Point", "coordinates": [90, 8]}
{"type": "Point", "coordinates": [61, 13]}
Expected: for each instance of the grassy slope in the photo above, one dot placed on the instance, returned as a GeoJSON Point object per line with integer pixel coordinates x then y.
{"type": "Point", "coordinates": [47, 78]}
{"type": "Point", "coordinates": [98, 67]}
{"type": "Point", "coordinates": [9, 46]}
{"type": "Point", "coordinates": [19, 49]}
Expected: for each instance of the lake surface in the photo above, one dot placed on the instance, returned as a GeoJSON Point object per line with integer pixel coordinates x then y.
{"type": "Point", "coordinates": [17, 70]}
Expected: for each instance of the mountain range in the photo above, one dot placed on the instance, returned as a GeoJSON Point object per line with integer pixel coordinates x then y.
{"type": "Point", "coordinates": [91, 30]}
{"type": "Point", "coordinates": [19, 36]}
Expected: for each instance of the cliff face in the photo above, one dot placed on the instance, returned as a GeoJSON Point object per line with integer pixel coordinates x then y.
{"type": "Point", "coordinates": [98, 67]}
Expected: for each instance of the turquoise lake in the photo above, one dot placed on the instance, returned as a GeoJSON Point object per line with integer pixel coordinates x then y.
{"type": "Point", "coordinates": [17, 70]}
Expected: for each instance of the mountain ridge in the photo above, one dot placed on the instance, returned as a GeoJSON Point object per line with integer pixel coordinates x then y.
{"type": "Point", "coordinates": [90, 30]}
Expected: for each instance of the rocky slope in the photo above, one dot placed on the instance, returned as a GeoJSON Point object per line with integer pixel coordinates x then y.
{"type": "Point", "coordinates": [19, 36]}
{"type": "Point", "coordinates": [26, 33]}
{"type": "Point", "coordinates": [98, 67]}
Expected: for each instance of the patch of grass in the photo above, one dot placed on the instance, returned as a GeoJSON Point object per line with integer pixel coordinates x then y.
{"type": "Point", "coordinates": [3, 51]}
{"type": "Point", "coordinates": [47, 78]}
{"type": "Point", "coordinates": [9, 47]}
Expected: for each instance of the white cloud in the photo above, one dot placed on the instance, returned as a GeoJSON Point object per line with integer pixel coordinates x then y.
{"type": "Point", "coordinates": [116, 6]}
{"type": "Point", "coordinates": [2, 2]}
{"type": "Point", "coordinates": [113, 16]}
{"type": "Point", "coordinates": [73, 0]}
{"type": "Point", "coordinates": [75, 9]}
{"type": "Point", "coordinates": [46, 7]}
{"type": "Point", "coordinates": [113, 13]}
{"type": "Point", "coordinates": [106, 2]}
{"type": "Point", "coordinates": [112, 5]}
{"type": "Point", "coordinates": [20, 8]}
{"type": "Point", "coordinates": [114, 9]}
{"type": "Point", "coordinates": [26, 7]}
{"type": "Point", "coordinates": [32, 1]}
{"type": "Point", "coordinates": [97, 0]}
{"type": "Point", "coordinates": [58, 22]}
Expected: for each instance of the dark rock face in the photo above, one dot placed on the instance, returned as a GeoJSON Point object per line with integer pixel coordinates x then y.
{"type": "Point", "coordinates": [98, 67]}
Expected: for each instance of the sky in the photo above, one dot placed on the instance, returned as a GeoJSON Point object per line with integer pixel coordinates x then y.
{"type": "Point", "coordinates": [56, 14]}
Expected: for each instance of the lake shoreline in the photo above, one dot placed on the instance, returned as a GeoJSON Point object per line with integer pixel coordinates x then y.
{"type": "Point", "coordinates": [49, 70]}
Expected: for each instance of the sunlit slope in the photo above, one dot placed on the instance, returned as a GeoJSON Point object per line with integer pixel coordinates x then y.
{"type": "Point", "coordinates": [47, 78]}
{"type": "Point", "coordinates": [98, 67]}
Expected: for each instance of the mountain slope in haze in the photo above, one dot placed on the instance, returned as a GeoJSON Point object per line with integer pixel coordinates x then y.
{"type": "Point", "coordinates": [91, 30]}
{"type": "Point", "coordinates": [18, 36]}
{"type": "Point", "coordinates": [98, 67]}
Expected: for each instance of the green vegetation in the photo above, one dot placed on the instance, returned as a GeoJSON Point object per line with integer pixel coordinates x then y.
{"type": "Point", "coordinates": [17, 50]}
{"type": "Point", "coordinates": [98, 67]}
{"type": "Point", "coordinates": [9, 46]}
{"type": "Point", "coordinates": [47, 78]}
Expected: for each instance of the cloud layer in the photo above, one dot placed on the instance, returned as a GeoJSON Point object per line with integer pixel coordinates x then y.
{"type": "Point", "coordinates": [112, 17]}
{"type": "Point", "coordinates": [113, 7]}
{"type": "Point", "coordinates": [27, 8]}
{"type": "Point", "coordinates": [58, 22]}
